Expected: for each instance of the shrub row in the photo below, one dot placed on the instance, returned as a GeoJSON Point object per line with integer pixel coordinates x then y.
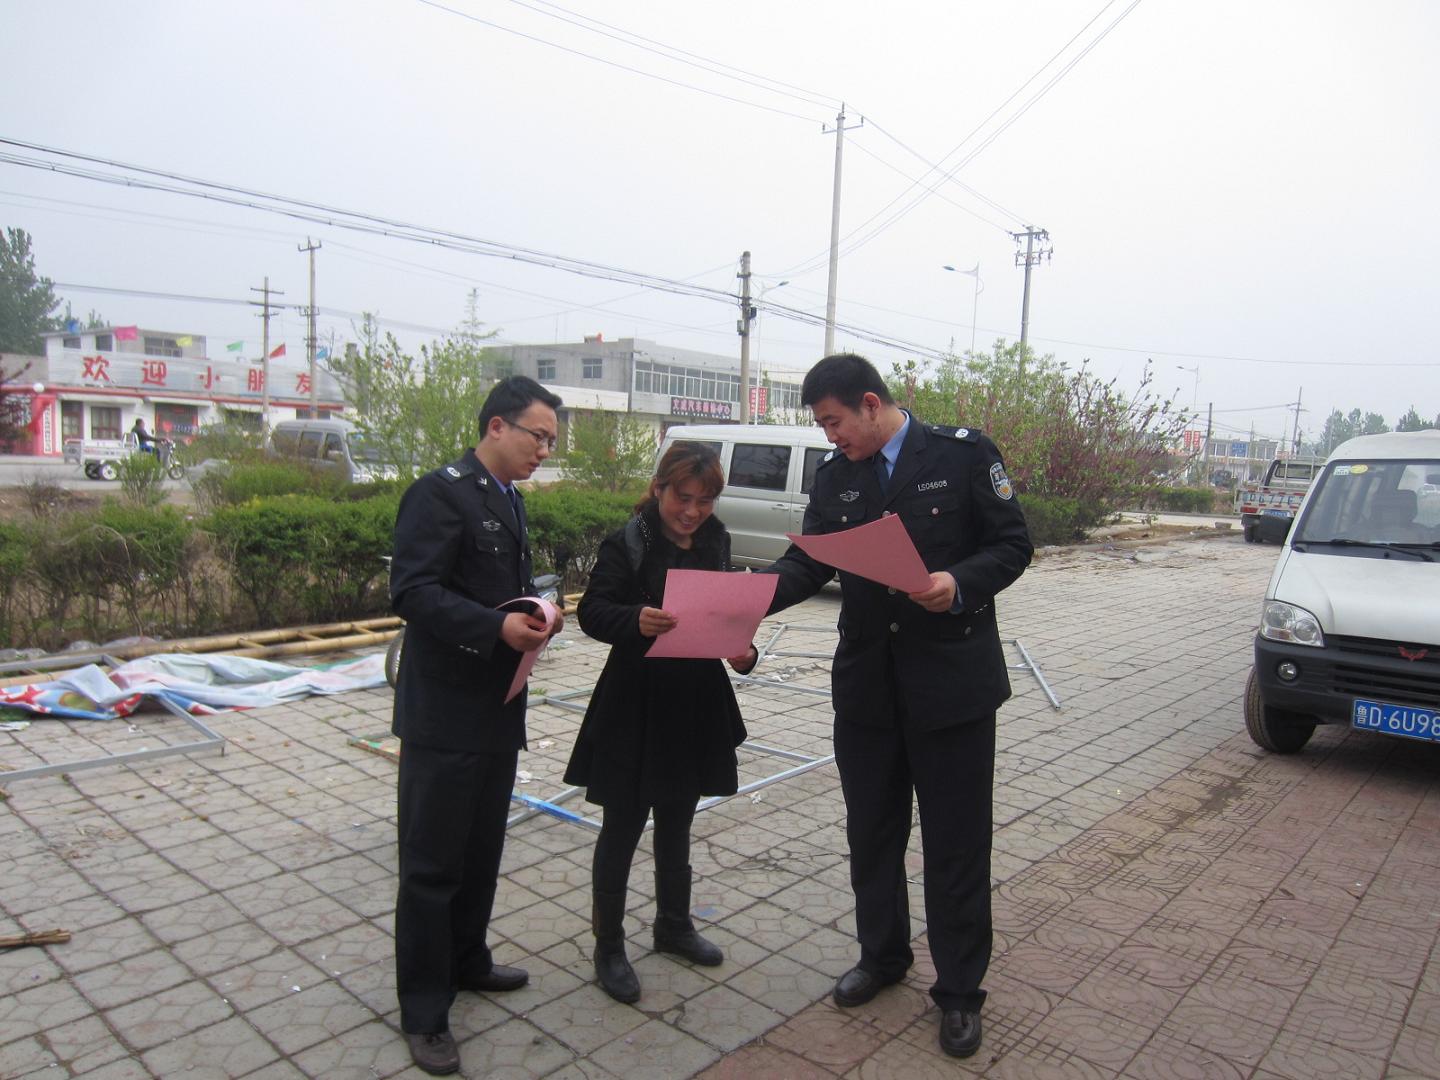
{"type": "Point", "coordinates": [278, 549]}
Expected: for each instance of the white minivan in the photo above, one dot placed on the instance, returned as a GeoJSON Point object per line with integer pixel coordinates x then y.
{"type": "Point", "coordinates": [768, 472]}
{"type": "Point", "coordinates": [1350, 627]}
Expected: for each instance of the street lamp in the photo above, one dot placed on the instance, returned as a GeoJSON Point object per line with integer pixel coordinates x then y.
{"type": "Point", "coordinates": [975, 306]}
{"type": "Point", "coordinates": [755, 340]}
{"type": "Point", "coordinates": [1195, 393]}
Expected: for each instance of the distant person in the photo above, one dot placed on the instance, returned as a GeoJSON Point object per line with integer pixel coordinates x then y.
{"type": "Point", "coordinates": [659, 733]}
{"type": "Point", "coordinates": [916, 680]}
{"type": "Point", "coordinates": [461, 549]}
{"type": "Point", "coordinates": [145, 440]}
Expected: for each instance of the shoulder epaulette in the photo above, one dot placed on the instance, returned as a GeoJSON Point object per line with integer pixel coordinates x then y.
{"type": "Point", "coordinates": [964, 434]}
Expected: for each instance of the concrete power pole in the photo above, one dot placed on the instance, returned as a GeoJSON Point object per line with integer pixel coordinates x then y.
{"type": "Point", "coordinates": [747, 313]}
{"type": "Point", "coordinates": [835, 229]}
{"type": "Point", "coordinates": [311, 246]}
{"type": "Point", "coordinates": [1031, 258]}
{"type": "Point", "coordinates": [1209, 428]}
{"type": "Point", "coordinates": [265, 293]}
{"type": "Point", "coordinates": [1295, 449]}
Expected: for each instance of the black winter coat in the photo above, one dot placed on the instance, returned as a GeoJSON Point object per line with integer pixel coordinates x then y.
{"type": "Point", "coordinates": [662, 730]}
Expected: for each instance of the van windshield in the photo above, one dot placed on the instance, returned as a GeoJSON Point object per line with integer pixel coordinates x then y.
{"type": "Point", "coordinates": [363, 448]}
{"type": "Point", "coordinates": [1374, 502]}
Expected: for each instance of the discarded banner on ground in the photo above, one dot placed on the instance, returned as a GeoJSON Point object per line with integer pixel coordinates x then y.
{"type": "Point", "coordinates": [199, 684]}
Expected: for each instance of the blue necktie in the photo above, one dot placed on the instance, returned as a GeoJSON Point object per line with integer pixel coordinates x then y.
{"type": "Point", "coordinates": [882, 472]}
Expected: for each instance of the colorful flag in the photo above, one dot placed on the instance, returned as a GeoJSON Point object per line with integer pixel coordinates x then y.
{"type": "Point", "coordinates": [278, 351]}
{"type": "Point", "coordinates": [127, 333]}
{"type": "Point", "coordinates": [72, 326]}
{"type": "Point", "coordinates": [183, 340]}
{"type": "Point", "coordinates": [322, 354]}
{"type": "Point", "coordinates": [235, 346]}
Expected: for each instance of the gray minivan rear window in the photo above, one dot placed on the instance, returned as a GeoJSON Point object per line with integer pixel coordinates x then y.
{"type": "Point", "coordinates": [759, 466]}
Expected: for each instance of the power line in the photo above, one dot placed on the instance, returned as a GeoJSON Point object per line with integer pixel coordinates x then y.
{"type": "Point", "coordinates": [612, 63]}
{"type": "Point", "coordinates": [670, 52]}
{"type": "Point", "coordinates": [813, 263]}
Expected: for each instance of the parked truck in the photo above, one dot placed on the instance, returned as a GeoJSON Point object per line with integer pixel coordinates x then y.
{"type": "Point", "coordinates": [1267, 509]}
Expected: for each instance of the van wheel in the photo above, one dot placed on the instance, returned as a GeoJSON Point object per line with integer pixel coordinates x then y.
{"type": "Point", "coordinates": [1252, 534]}
{"type": "Point", "coordinates": [108, 471]}
{"type": "Point", "coordinates": [392, 658]}
{"type": "Point", "coordinates": [92, 470]}
{"type": "Point", "coordinates": [1273, 729]}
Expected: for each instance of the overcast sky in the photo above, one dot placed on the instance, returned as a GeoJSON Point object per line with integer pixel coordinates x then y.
{"type": "Point", "coordinates": [1244, 190]}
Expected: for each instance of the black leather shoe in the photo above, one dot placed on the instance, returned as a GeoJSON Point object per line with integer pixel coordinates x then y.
{"type": "Point", "coordinates": [857, 986]}
{"type": "Point", "coordinates": [497, 980]}
{"type": "Point", "coordinates": [960, 1033]}
{"type": "Point", "coordinates": [434, 1052]}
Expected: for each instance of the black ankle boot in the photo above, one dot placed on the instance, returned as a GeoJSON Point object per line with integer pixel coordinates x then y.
{"type": "Point", "coordinates": [674, 931]}
{"type": "Point", "coordinates": [612, 968]}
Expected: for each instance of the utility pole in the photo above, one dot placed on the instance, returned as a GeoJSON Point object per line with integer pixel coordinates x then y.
{"type": "Point", "coordinates": [1031, 258]}
{"type": "Point", "coordinates": [747, 313]}
{"type": "Point", "coordinates": [1296, 445]}
{"type": "Point", "coordinates": [264, 303]}
{"type": "Point", "coordinates": [1209, 427]}
{"type": "Point", "coordinates": [311, 246]}
{"type": "Point", "coordinates": [835, 229]}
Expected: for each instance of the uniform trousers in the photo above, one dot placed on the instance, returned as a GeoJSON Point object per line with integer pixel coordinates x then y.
{"type": "Point", "coordinates": [451, 823]}
{"type": "Point", "coordinates": [951, 771]}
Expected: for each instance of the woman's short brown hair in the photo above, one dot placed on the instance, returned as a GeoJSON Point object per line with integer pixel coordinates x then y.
{"type": "Point", "coordinates": [685, 461]}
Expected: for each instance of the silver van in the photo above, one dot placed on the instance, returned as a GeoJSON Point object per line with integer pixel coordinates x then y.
{"type": "Point", "coordinates": [769, 469]}
{"type": "Point", "coordinates": [331, 445]}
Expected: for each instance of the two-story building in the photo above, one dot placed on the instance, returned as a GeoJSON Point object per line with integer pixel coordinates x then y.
{"type": "Point", "coordinates": [93, 384]}
{"type": "Point", "coordinates": [660, 385]}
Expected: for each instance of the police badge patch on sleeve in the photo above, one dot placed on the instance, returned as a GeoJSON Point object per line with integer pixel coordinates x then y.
{"type": "Point", "coordinates": [1000, 482]}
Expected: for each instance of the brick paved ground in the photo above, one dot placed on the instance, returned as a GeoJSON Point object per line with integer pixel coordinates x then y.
{"type": "Point", "coordinates": [1170, 901]}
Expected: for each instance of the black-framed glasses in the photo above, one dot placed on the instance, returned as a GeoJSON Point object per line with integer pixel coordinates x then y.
{"type": "Point", "coordinates": [541, 438]}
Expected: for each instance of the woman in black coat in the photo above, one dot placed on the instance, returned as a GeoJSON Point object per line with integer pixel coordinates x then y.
{"type": "Point", "coordinates": [661, 733]}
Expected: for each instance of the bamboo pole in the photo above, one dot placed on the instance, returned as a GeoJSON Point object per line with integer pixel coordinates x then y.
{"type": "Point", "coordinates": [35, 937]}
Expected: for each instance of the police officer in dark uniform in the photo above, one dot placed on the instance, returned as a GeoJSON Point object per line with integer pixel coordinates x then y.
{"type": "Point", "coordinates": [916, 679]}
{"type": "Point", "coordinates": [461, 549]}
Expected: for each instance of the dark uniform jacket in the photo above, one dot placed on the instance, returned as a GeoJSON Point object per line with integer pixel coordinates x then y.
{"type": "Point", "coordinates": [459, 551]}
{"type": "Point", "coordinates": [950, 489]}
{"type": "Point", "coordinates": [661, 730]}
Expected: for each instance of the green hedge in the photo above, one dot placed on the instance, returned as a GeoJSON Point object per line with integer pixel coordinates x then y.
{"type": "Point", "coordinates": [1054, 521]}
{"type": "Point", "coordinates": [236, 483]}
{"type": "Point", "coordinates": [300, 558]}
{"type": "Point", "coordinates": [1184, 500]}
{"type": "Point", "coordinates": [568, 522]}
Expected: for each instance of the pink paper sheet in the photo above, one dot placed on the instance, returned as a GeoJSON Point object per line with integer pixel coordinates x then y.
{"type": "Point", "coordinates": [718, 612]}
{"type": "Point", "coordinates": [545, 610]}
{"type": "Point", "coordinates": [880, 550]}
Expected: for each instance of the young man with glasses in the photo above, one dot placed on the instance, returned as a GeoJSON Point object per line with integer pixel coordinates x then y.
{"type": "Point", "coordinates": [461, 549]}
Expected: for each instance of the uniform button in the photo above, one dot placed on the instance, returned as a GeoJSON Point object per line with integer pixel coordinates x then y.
{"type": "Point", "coordinates": [844, 518]}
{"type": "Point", "coordinates": [890, 591]}
{"type": "Point", "coordinates": [887, 513]}
{"type": "Point", "coordinates": [967, 630]}
{"type": "Point", "coordinates": [894, 628]}
{"type": "Point", "coordinates": [934, 510]}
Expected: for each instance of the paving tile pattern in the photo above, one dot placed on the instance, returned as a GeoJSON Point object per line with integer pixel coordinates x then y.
{"type": "Point", "coordinates": [1170, 901]}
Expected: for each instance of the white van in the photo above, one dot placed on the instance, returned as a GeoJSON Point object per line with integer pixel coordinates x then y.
{"type": "Point", "coordinates": [768, 472]}
{"type": "Point", "coordinates": [1350, 628]}
{"type": "Point", "coordinates": [332, 445]}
